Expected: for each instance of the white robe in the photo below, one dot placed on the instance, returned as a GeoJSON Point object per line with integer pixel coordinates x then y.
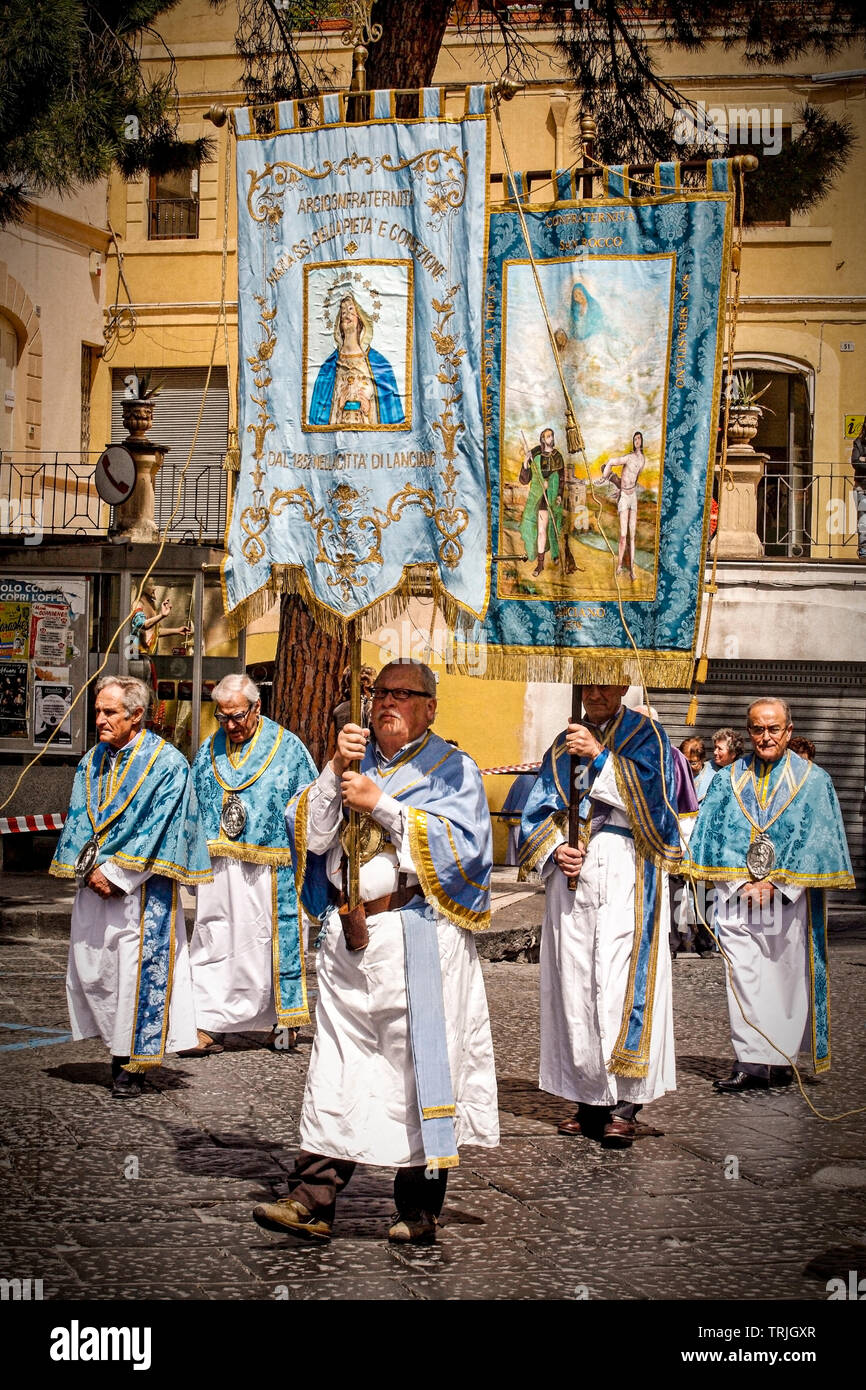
{"type": "Point", "coordinates": [586, 948]}
{"type": "Point", "coordinates": [231, 952]}
{"type": "Point", "coordinates": [769, 954]}
{"type": "Point", "coordinates": [360, 1101]}
{"type": "Point", "coordinates": [102, 975]}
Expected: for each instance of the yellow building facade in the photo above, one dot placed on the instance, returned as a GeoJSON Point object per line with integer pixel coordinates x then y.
{"type": "Point", "coordinates": [167, 257]}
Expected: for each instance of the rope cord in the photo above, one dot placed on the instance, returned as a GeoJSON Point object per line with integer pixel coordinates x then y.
{"type": "Point", "coordinates": [177, 506]}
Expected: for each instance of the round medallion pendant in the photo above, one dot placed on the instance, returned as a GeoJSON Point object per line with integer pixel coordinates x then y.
{"type": "Point", "coordinates": [234, 817]}
{"type": "Point", "coordinates": [760, 857]}
{"type": "Point", "coordinates": [87, 857]}
{"type": "Point", "coordinates": [371, 838]}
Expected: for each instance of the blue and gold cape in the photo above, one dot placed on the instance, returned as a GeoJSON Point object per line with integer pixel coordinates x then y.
{"type": "Point", "coordinates": [265, 773]}
{"type": "Point", "coordinates": [447, 822]}
{"type": "Point", "coordinates": [646, 781]}
{"type": "Point", "coordinates": [794, 804]}
{"type": "Point", "coordinates": [451, 844]}
{"type": "Point", "coordinates": [141, 808]}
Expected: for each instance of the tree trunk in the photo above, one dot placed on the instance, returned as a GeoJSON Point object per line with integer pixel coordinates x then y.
{"type": "Point", "coordinates": [412, 33]}
{"type": "Point", "coordinates": [307, 671]}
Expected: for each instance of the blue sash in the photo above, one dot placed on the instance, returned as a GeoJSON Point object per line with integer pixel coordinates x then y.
{"type": "Point", "coordinates": [427, 1032]}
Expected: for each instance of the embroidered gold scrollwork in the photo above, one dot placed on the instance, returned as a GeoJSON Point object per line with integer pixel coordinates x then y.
{"type": "Point", "coordinates": [443, 171]}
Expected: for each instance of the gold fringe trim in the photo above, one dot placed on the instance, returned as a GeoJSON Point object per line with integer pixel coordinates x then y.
{"type": "Point", "coordinates": [60, 870]}
{"type": "Point", "coordinates": [671, 865]}
{"type": "Point", "coordinates": [292, 1018]}
{"type": "Point", "coordinates": [140, 1064]}
{"type": "Point", "coordinates": [249, 854]}
{"type": "Point", "coordinates": [823, 1065]}
{"type": "Point", "coordinates": [541, 851]}
{"type": "Point", "coordinates": [726, 873]}
{"type": "Point", "coordinates": [634, 1069]}
{"type": "Point", "coordinates": [452, 1162]}
{"type": "Point", "coordinates": [416, 581]}
{"type": "Point", "coordinates": [430, 885]}
{"type": "Point", "coordinates": [438, 1112]}
{"type": "Point", "coordinates": [601, 666]}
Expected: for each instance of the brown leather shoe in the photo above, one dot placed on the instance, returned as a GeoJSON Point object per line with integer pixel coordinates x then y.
{"type": "Point", "coordinates": [207, 1046]}
{"type": "Point", "coordinates": [290, 1218]}
{"type": "Point", "coordinates": [570, 1127]}
{"type": "Point", "coordinates": [618, 1133]}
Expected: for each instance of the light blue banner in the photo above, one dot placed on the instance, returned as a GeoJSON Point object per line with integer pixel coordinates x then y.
{"type": "Point", "coordinates": [360, 284]}
{"type": "Point", "coordinates": [635, 293]}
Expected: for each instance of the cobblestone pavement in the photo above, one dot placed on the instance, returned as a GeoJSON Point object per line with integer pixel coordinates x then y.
{"type": "Point", "coordinates": [750, 1197]}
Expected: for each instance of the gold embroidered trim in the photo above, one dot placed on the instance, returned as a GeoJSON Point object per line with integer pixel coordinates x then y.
{"type": "Point", "coordinates": [136, 1062]}
{"type": "Point", "coordinates": [286, 1017]}
{"type": "Point", "coordinates": [541, 850]}
{"type": "Point", "coordinates": [248, 854]}
{"type": "Point", "coordinates": [430, 886]}
{"type": "Point", "coordinates": [671, 863]}
{"type": "Point", "coordinates": [242, 786]}
{"type": "Point", "coordinates": [438, 1112]}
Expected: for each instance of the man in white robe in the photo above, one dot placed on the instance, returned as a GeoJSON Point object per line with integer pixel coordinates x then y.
{"type": "Point", "coordinates": [606, 1015]}
{"type": "Point", "coordinates": [426, 864]}
{"type": "Point", "coordinates": [771, 840]}
{"type": "Point", "coordinates": [246, 951]}
{"type": "Point", "coordinates": [130, 838]}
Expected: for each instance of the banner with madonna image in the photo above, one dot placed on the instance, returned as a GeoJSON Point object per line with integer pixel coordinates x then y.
{"type": "Point", "coordinates": [634, 288]}
{"type": "Point", "coordinates": [360, 286]}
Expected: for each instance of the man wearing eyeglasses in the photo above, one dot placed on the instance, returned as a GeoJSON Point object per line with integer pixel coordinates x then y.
{"type": "Point", "coordinates": [770, 837]}
{"type": "Point", "coordinates": [246, 951]}
{"type": "Point", "coordinates": [402, 1067]}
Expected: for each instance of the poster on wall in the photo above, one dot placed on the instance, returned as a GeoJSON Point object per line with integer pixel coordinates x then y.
{"type": "Point", "coordinates": [13, 699]}
{"type": "Point", "coordinates": [43, 662]}
{"type": "Point", "coordinates": [51, 713]}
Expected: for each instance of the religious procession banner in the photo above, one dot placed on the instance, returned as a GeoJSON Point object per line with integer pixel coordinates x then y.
{"type": "Point", "coordinates": [359, 303]}
{"type": "Point", "coordinates": [634, 290]}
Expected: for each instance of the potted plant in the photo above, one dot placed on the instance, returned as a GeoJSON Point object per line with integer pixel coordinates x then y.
{"type": "Point", "coordinates": [744, 415]}
{"type": "Point", "coordinates": [137, 405]}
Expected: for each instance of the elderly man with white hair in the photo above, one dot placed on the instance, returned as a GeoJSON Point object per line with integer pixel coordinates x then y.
{"type": "Point", "coordinates": [131, 837]}
{"type": "Point", "coordinates": [247, 948]}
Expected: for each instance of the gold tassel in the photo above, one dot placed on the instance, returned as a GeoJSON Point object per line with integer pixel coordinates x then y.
{"type": "Point", "coordinates": [232, 459]}
{"type": "Point", "coordinates": [572, 433]}
{"type": "Point", "coordinates": [701, 673]}
{"type": "Point", "coordinates": [692, 713]}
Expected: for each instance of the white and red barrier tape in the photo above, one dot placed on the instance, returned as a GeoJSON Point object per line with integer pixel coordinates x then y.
{"type": "Point", "coordinates": [9, 825]}
{"type": "Point", "coordinates": [510, 767]}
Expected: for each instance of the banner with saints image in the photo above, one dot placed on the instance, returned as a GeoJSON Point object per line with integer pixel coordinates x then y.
{"type": "Point", "coordinates": [359, 304]}
{"type": "Point", "coordinates": [634, 287]}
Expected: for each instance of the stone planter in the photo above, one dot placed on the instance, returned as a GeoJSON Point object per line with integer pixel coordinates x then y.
{"type": "Point", "coordinates": [137, 419]}
{"type": "Point", "coordinates": [743, 423]}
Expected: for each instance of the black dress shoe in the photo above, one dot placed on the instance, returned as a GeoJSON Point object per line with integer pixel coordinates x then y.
{"type": "Point", "coordinates": [741, 1081]}
{"type": "Point", "coordinates": [127, 1085]}
{"type": "Point", "coordinates": [781, 1076]}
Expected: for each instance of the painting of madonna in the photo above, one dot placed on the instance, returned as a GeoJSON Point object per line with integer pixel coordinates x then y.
{"type": "Point", "coordinates": [355, 387]}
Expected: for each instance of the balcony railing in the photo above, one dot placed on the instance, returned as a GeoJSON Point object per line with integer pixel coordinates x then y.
{"type": "Point", "coordinates": [44, 495]}
{"type": "Point", "coordinates": [807, 511]}
{"type": "Point", "coordinates": [172, 218]}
